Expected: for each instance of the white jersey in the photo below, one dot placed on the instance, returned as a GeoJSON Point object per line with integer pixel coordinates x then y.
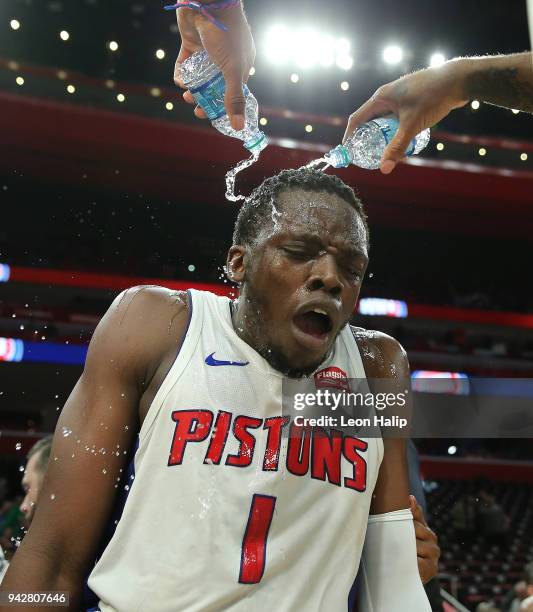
{"type": "Point", "coordinates": [225, 512]}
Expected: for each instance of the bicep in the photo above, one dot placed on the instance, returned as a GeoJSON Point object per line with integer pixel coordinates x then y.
{"type": "Point", "coordinates": [93, 436]}
{"type": "Point", "coordinates": [392, 487]}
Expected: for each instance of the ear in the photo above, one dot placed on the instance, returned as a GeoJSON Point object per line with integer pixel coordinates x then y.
{"type": "Point", "coordinates": [235, 263]}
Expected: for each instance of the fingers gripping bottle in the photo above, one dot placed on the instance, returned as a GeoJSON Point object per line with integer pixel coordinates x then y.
{"type": "Point", "coordinates": [205, 81]}
{"type": "Point", "coordinates": [365, 146]}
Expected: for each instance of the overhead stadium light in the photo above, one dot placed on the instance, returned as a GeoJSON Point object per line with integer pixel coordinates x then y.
{"type": "Point", "coordinates": [306, 48]}
{"type": "Point", "coordinates": [393, 54]}
{"type": "Point", "coordinates": [474, 104]}
{"type": "Point", "coordinates": [437, 59]}
{"type": "Point", "coordinates": [15, 24]}
{"type": "Point", "coordinates": [278, 45]}
{"type": "Point", "coordinates": [64, 35]}
{"type": "Point", "coordinates": [113, 45]}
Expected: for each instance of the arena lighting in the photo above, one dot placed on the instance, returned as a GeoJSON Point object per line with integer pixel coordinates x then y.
{"type": "Point", "coordinates": [160, 54]}
{"type": "Point", "coordinates": [431, 381]}
{"type": "Point", "coordinates": [5, 272]}
{"type": "Point", "coordinates": [155, 92]}
{"type": "Point", "coordinates": [440, 146]}
{"type": "Point", "coordinates": [452, 450]}
{"type": "Point", "coordinates": [191, 268]}
{"type": "Point", "coordinates": [344, 62]}
{"type": "Point", "coordinates": [121, 97]}
{"type": "Point", "coordinates": [345, 86]}
{"type": "Point", "coordinates": [19, 81]}
{"type": "Point", "coordinates": [294, 78]}
{"type": "Point", "coordinates": [263, 121]}
{"type": "Point", "coordinates": [393, 54]}
{"type": "Point", "coordinates": [112, 45]}
{"type": "Point", "coordinates": [523, 156]}
{"type": "Point", "coordinates": [278, 44]}
{"type": "Point", "coordinates": [61, 75]}
{"type": "Point", "coordinates": [382, 308]}
{"type": "Point", "coordinates": [169, 106]}
{"type": "Point", "coordinates": [11, 349]}
{"type": "Point", "coordinates": [15, 24]}
{"type": "Point", "coordinates": [474, 104]}
{"type": "Point", "coordinates": [252, 71]}
{"type": "Point", "coordinates": [110, 84]}
{"type": "Point", "coordinates": [64, 35]}
{"type": "Point", "coordinates": [436, 60]}
{"type": "Point", "coordinates": [482, 152]}
{"type": "Point", "coordinates": [71, 89]}
{"type": "Point", "coordinates": [308, 128]}
{"type": "Point", "coordinates": [306, 47]}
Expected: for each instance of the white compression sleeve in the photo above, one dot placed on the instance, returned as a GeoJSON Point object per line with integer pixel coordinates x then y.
{"type": "Point", "coordinates": [389, 578]}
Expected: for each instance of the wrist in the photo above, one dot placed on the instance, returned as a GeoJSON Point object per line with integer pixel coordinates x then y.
{"type": "Point", "coordinates": [459, 71]}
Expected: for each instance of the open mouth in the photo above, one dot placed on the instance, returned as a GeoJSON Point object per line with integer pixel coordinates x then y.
{"type": "Point", "coordinates": [316, 323]}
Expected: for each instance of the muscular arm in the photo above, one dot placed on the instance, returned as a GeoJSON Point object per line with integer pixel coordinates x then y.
{"type": "Point", "coordinates": [389, 572]}
{"type": "Point", "coordinates": [383, 357]}
{"type": "Point", "coordinates": [96, 429]}
{"type": "Point", "coordinates": [421, 99]}
{"type": "Point", "coordinates": [504, 80]}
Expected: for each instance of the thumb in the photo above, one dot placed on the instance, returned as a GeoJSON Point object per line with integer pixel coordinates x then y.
{"type": "Point", "coordinates": [234, 100]}
{"type": "Point", "coordinates": [396, 148]}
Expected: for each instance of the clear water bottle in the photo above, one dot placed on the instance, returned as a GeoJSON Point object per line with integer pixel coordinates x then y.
{"type": "Point", "coordinates": [205, 81]}
{"type": "Point", "coordinates": [365, 146]}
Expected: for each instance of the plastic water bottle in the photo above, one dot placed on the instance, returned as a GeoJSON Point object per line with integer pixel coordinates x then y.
{"type": "Point", "coordinates": [205, 81]}
{"type": "Point", "coordinates": [365, 146]}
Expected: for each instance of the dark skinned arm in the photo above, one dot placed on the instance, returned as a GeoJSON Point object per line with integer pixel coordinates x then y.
{"type": "Point", "coordinates": [380, 352]}
{"type": "Point", "coordinates": [102, 412]}
{"type": "Point", "coordinates": [423, 98]}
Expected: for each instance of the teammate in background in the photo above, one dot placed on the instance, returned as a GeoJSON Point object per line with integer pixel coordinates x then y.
{"type": "Point", "coordinates": [37, 462]}
{"type": "Point", "coordinates": [423, 98]}
{"type": "Point", "coordinates": [232, 50]}
{"type": "Point", "coordinates": [224, 512]}
{"type": "Point", "coordinates": [32, 481]}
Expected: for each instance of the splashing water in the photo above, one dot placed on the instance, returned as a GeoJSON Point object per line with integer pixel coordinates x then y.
{"type": "Point", "coordinates": [317, 162]}
{"type": "Point", "coordinates": [230, 177]}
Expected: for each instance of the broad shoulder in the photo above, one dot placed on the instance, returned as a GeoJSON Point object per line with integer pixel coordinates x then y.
{"type": "Point", "coordinates": [142, 324]}
{"type": "Point", "coordinates": [382, 355]}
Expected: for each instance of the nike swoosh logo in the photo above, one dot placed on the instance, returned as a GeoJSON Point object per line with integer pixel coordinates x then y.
{"type": "Point", "coordinates": [211, 361]}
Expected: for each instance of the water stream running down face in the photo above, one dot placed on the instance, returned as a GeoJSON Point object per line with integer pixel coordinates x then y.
{"type": "Point", "coordinates": [231, 175]}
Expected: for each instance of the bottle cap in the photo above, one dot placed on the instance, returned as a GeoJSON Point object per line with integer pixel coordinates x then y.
{"type": "Point", "coordinates": [338, 157]}
{"type": "Point", "coordinates": [257, 142]}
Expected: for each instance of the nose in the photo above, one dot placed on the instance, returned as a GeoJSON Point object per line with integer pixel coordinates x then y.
{"type": "Point", "coordinates": [325, 275]}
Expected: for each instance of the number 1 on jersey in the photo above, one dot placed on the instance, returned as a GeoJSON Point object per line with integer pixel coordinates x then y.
{"type": "Point", "coordinates": [253, 551]}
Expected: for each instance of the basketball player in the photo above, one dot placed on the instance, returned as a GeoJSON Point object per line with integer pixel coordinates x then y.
{"type": "Point", "coordinates": [223, 511]}
{"type": "Point", "coordinates": [423, 98]}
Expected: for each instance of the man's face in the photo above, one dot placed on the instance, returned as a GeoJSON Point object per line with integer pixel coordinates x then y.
{"type": "Point", "coordinates": [303, 278]}
{"type": "Point", "coordinates": [31, 483]}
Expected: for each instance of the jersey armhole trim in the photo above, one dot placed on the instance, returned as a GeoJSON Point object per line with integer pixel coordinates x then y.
{"type": "Point", "coordinates": [183, 355]}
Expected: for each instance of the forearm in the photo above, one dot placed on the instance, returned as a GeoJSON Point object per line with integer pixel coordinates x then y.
{"type": "Point", "coordinates": [389, 572]}
{"type": "Point", "coordinates": [503, 80]}
{"type": "Point", "coordinates": [31, 572]}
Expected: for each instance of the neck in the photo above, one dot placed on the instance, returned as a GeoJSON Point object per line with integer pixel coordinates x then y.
{"type": "Point", "coordinates": [252, 328]}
